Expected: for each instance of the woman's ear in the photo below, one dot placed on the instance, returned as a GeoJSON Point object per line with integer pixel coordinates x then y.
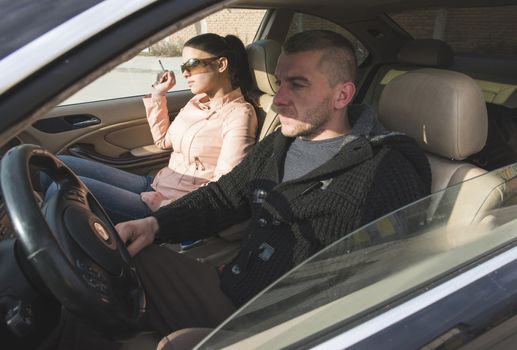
{"type": "Point", "coordinates": [222, 64]}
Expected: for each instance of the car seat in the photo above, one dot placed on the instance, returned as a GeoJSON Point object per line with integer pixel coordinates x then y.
{"type": "Point", "coordinates": [445, 112]}
{"type": "Point", "coordinates": [262, 58]}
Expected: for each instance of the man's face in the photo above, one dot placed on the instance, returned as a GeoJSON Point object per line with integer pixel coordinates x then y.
{"type": "Point", "coordinates": [304, 99]}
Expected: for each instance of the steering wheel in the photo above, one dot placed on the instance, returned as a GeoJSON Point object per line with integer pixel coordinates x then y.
{"type": "Point", "coordinates": [72, 244]}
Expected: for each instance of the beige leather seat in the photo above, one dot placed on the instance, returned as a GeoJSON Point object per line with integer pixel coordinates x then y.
{"type": "Point", "coordinates": [445, 112]}
{"type": "Point", "coordinates": [414, 54]}
{"type": "Point", "coordinates": [262, 57]}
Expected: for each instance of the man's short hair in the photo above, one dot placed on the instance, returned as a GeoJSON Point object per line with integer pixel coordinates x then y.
{"type": "Point", "coordinates": [338, 61]}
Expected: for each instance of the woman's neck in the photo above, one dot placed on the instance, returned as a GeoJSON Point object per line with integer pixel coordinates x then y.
{"type": "Point", "coordinates": [224, 89]}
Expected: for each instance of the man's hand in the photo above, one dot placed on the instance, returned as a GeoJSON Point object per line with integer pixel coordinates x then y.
{"type": "Point", "coordinates": [154, 200]}
{"type": "Point", "coordinates": [138, 233]}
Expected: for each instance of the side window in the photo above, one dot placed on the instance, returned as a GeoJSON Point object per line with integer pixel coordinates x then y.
{"type": "Point", "coordinates": [134, 77]}
{"type": "Point", "coordinates": [302, 22]}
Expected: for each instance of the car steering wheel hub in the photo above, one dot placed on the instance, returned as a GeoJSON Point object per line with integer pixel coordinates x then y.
{"type": "Point", "coordinates": [101, 232]}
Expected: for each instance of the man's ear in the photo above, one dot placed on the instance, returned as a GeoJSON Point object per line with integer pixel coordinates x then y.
{"type": "Point", "coordinates": [344, 93]}
{"type": "Point", "coordinates": [222, 64]}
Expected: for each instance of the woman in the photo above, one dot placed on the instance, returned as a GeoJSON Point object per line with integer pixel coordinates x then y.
{"type": "Point", "coordinates": [209, 136]}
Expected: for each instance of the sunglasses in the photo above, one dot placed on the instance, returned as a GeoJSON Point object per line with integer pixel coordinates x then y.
{"type": "Point", "coordinates": [196, 62]}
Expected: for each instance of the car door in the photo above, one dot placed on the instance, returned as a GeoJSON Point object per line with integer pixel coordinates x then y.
{"type": "Point", "coordinates": [106, 121]}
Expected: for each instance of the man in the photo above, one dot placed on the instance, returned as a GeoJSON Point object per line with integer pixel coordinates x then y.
{"type": "Point", "coordinates": [329, 170]}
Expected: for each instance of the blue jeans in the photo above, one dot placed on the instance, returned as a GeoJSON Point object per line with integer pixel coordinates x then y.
{"type": "Point", "coordinates": [118, 191]}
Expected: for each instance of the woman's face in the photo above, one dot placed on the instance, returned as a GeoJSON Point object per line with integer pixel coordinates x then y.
{"type": "Point", "coordinates": [201, 70]}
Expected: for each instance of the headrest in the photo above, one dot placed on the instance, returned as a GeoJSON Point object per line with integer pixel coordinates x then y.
{"type": "Point", "coordinates": [443, 111]}
{"type": "Point", "coordinates": [426, 52]}
{"type": "Point", "coordinates": [262, 57]}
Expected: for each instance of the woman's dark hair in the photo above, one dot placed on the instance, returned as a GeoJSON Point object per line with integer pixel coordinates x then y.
{"type": "Point", "coordinates": [233, 49]}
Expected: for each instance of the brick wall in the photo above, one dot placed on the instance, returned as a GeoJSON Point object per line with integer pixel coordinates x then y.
{"type": "Point", "coordinates": [240, 22]}
{"type": "Point", "coordinates": [480, 31]}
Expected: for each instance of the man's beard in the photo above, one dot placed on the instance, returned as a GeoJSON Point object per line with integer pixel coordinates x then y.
{"type": "Point", "coordinates": [312, 122]}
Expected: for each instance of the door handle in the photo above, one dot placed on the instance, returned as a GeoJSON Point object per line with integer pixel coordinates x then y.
{"type": "Point", "coordinates": [66, 123]}
{"type": "Point", "coordinates": [82, 121]}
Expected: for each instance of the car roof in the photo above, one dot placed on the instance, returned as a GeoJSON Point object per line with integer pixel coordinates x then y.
{"type": "Point", "coordinates": [70, 30]}
{"type": "Point", "coordinates": [27, 20]}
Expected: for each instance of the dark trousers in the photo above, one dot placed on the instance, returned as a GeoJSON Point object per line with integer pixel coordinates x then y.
{"type": "Point", "coordinates": [181, 292]}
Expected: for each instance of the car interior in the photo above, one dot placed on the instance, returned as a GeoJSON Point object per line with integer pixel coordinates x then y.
{"type": "Point", "coordinates": [460, 108]}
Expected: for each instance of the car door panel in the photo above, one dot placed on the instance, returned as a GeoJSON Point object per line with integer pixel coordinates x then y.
{"type": "Point", "coordinates": [114, 132]}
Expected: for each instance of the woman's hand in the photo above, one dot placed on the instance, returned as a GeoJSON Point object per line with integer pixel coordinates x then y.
{"type": "Point", "coordinates": [154, 200]}
{"type": "Point", "coordinates": [137, 234]}
{"type": "Point", "coordinates": [165, 82]}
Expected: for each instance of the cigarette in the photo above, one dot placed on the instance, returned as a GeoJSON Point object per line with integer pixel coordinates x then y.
{"type": "Point", "coordinates": [161, 65]}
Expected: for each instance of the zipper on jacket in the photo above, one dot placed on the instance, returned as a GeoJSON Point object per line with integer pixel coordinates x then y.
{"type": "Point", "coordinates": [199, 165]}
{"type": "Point", "coordinates": [187, 156]}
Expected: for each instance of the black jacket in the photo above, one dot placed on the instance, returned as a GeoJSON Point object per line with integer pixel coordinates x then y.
{"type": "Point", "coordinates": [291, 221]}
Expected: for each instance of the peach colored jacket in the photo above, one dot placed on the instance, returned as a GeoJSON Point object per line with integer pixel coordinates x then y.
{"type": "Point", "coordinates": [208, 138]}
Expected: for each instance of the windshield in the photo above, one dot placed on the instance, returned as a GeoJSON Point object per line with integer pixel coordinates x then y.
{"type": "Point", "coordinates": [378, 265]}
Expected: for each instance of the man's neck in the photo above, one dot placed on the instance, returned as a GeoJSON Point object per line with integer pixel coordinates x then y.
{"type": "Point", "coordinates": [337, 125]}
{"type": "Point", "coordinates": [327, 134]}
